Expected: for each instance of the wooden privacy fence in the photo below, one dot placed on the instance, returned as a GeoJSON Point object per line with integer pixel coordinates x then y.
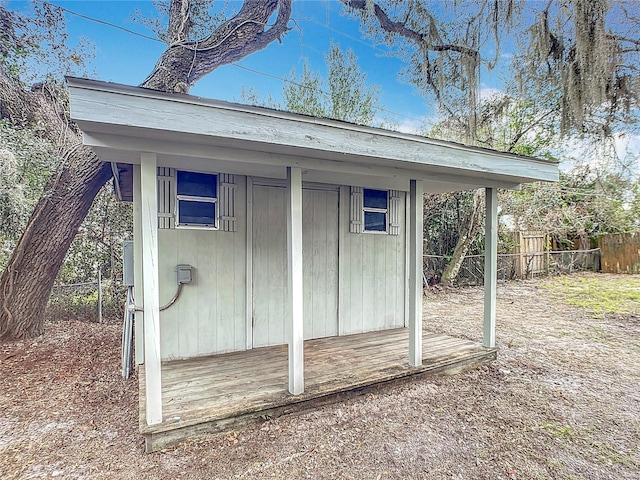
{"type": "Point", "coordinates": [529, 260]}
{"type": "Point", "coordinates": [620, 252]}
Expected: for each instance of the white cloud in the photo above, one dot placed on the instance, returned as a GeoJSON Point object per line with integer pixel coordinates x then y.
{"type": "Point", "coordinates": [487, 93]}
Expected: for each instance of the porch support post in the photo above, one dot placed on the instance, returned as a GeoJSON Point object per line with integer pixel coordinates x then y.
{"type": "Point", "coordinates": [294, 291]}
{"type": "Point", "coordinates": [415, 272]}
{"type": "Point", "coordinates": [490, 267]}
{"type": "Point", "coordinates": [138, 284]}
{"type": "Point", "coordinates": [150, 291]}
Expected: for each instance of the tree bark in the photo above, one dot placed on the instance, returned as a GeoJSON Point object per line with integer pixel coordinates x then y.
{"type": "Point", "coordinates": [184, 63]}
{"type": "Point", "coordinates": [26, 282]}
{"type": "Point", "coordinates": [464, 243]}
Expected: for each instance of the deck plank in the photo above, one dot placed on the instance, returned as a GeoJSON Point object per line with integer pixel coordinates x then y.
{"type": "Point", "coordinates": [206, 394]}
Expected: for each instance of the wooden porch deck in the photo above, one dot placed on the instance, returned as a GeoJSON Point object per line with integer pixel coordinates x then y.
{"type": "Point", "coordinates": [221, 392]}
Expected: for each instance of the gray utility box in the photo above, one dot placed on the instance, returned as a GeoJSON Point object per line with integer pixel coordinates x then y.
{"type": "Point", "coordinates": [184, 273]}
{"type": "Point", "coordinates": [127, 263]}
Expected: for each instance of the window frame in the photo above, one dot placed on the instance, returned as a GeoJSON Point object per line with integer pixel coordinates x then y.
{"type": "Point", "coordinates": [199, 199]}
{"type": "Point", "coordinates": [366, 209]}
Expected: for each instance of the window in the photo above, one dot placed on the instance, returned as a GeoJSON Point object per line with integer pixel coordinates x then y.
{"type": "Point", "coordinates": [197, 199]}
{"type": "Point", "coordinates": [375, 209]}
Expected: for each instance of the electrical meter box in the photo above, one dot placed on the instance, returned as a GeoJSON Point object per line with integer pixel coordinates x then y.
{"type": "Point", "coordinates": [184, 273]}
{"type": "Point", "coordinates": [127, 263]}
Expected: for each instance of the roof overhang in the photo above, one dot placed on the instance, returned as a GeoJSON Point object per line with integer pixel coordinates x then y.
{"type": "Point", "coordinates": [120, 121]}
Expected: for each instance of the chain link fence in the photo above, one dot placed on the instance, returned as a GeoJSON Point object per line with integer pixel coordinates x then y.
{"type": "Point", "coordinates": [95, 301]}
{"type": "Point", "coordinates": [514, 266]}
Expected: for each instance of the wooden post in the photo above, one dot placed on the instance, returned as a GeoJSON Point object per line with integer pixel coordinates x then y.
{"type": "Point", "coordinates": [490, 267]}
{"type": "Point", "coordinates": [99, 295]}
{"type": "Point", "coordinates": [415, 272]}
{"type": "Point", "coordinates": [150, 296]}
{"type": "Point", "coordinates": [295, 279]}
{"type": "Point", "coordinates": [249, 267]}
{"type": "Point", "coordinates": [137, 265]}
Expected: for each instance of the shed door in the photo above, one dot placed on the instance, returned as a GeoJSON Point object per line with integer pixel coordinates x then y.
{"type": "Point", "coordinates": [320, 264]}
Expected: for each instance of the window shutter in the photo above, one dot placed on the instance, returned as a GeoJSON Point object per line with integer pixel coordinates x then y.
{"type": "Point", "coordinates": [166, 197]}
{"type": "Point", "coordinates": [356, 223]}
{"type": "Point", "coordinates": [394, 212]}
{"type": "Point", "coordinates": [227, 202]}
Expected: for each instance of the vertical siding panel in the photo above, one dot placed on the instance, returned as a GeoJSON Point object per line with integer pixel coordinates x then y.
{"type": "Point", "coordinates": [331, 260]}
{"type": "Point", "coordinates": [260, 267]}
{"type": "Point", "coordinates": [269, 270]}
{"type": "Point", "coordinates": [308, 258]}
{"type": "Point", "coordinates": [320, 274]}
{"type": "Point", "coordinates": [187, 307]}
{"type": "Point", "coordinates": [206, 259]}
{"type": "Point", "coordinates": [249, 258]}
{"type": "Point", "coordinates": [379, 280]}
{"type": "Point", "coordinates": [402, 296]}
{"type": "Point", "coordinates": [357, 278]}
{"type": "Point", "coordinates": [281, 314]}
{"type": "Point", "coordinates": [390, 280]}
{"type": "Point", "coordinates": [344, 277]}
{"type": "Point", "coordinates": [240, 280]}
{"type": "Point", "coordinates": [225, 317]}
{"type": "Point", "coordinates": [169, 325]}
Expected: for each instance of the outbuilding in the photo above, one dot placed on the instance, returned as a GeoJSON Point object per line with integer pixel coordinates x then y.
{"type": "Point", "coordinates": [278, 257]}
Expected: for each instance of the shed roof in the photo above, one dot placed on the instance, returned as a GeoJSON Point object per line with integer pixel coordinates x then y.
{"type": "Point", "coordinates": [119, 121]}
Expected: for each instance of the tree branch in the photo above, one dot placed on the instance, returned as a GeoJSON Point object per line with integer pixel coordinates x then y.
{"type": "Point", "coordinates": [522, 133]}
{"type": "Point", "coordinates": [401, 29]}
{"type": "Point", "coordinates": [184, 63]}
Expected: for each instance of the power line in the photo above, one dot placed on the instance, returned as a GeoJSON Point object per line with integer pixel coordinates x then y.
{"type": "Point", "coordinates": [103, 22]}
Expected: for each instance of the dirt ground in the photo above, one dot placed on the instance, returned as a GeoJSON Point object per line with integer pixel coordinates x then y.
{"type": "Point", "coordinates": [561, 402]}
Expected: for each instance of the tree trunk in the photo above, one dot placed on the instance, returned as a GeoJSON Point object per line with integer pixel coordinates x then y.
{"type": "Point", "coordinates": [464, 242]}
{"type": "Point", "coordinates": [26, 282]}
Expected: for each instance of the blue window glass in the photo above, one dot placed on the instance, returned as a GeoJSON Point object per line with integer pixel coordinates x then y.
{"type": "Point", "coordinates": [197, 184]}
{"type": "Point", "coordinates": [196, 198]}
{"type": "Point", "coordinates": [196, 213]}
{"type": "Point", "coordinates": [375, 221]}
{"type": "Point", "coordinates": [375, 198]}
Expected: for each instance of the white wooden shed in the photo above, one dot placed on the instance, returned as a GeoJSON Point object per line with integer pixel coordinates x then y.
{"type": "Point", "coordinates": [304, 237]}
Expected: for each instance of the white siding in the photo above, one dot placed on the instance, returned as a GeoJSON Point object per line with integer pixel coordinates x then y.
{"type": "Point", "coordinates": [269, 266]}
{"type": "Point", "coordinates": [209, 316]}
{"type": "Point", "coordinates": [372, 288]}
{"type": "Point", "coordinates": [320, 264]}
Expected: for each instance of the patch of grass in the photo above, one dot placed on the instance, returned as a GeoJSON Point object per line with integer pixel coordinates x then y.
{"type": "Point", "coordinates": [599, 294]}
{"type": "Point", "coordinates": [609, 454]}
{"type": "Point", "coordinates": [563, 432]}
